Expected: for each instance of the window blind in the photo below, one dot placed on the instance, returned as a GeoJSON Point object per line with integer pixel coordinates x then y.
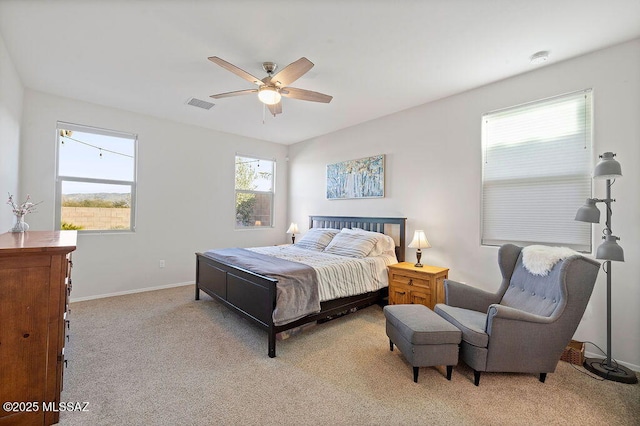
{"type": "Point", "coordinates": [537, 172]}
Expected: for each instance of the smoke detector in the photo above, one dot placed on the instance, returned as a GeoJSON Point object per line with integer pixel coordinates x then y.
{"type": "Point", "coordinates": [539, 57]}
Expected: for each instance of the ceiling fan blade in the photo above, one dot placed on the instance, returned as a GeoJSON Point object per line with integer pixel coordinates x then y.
{"type": "Point", "coordinates": [236, 93]}
{"type": "Point", "coordinates": [275, 109]}
{"type": "Point", "coordinates": [237, 71]}
{"type": "Point", "coordinates": [305, 95]}
{"type": "Point", "coordinates": [292, 72]}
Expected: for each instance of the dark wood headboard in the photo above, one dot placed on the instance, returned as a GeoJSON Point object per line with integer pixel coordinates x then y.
{"type": "Point", "coordinates": [373, 224]}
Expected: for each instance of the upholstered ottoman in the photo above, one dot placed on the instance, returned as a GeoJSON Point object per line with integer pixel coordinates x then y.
{"type": "Point", "coordinates": [424, 338]}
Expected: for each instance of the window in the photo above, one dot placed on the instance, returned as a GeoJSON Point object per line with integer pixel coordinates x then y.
{"type": "Point", "coordinates": [537, 172]}
{"type": "Point", "coordinates": [96, 179]}
{"type": "Point", "coordinates": [254, 192]}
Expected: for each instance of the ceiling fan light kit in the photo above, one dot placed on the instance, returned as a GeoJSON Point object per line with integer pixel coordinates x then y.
{"type": "Point", "coordinates": [272, 88]}
{"type": "Point", "coordinates": [269, 95]}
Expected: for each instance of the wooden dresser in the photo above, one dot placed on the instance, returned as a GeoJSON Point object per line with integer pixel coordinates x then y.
{"type": "Point", "coordinates": [409, 284]}
{"type": "Point", "coordinates": [35, 282]}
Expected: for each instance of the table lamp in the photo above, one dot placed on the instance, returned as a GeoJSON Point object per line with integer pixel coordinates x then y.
{"type": "Point", "coordinates": [419, 242]}
{"type": "Point", "coordinates": [293, 230]}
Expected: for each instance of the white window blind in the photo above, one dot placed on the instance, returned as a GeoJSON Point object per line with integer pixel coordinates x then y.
{"type": "Point", "coordinates": [537, 172]}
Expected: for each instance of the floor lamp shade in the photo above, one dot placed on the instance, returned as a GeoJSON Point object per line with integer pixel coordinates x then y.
{"type": "Point", "coordinates": [610, 250]}
{"type": "Point", "coordinates": [589, 212]}
{"type": "Point", "coordinates": [607, 168]}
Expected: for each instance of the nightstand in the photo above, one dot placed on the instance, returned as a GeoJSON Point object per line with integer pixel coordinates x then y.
{"type": "Point", "coordinates": [424, 286]}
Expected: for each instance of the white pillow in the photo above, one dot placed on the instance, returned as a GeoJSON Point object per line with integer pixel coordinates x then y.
{"type": "Point", "coordinates": [316, 239]}
{"type": "Point", "coordinates": [351, 244]}
{"type": "Point", "coordinates": [384, 243]}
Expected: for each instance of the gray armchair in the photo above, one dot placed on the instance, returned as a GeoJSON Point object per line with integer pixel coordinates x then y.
{"type": "Point", "coordinates": [527, 323]}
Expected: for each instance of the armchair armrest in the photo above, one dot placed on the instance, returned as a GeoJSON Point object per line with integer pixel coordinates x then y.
{"type": "Point", "coordinates": [467, 297]}
{"type": "Point", "coordinates": [498, 312]}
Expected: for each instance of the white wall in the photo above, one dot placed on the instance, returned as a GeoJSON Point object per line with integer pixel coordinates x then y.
{"type": "Point", "coordinates": [185, 195]}
{"type": "Point", "coordinates": [11, 92]}
{"type": "Point", "coordinates": [433, 177]}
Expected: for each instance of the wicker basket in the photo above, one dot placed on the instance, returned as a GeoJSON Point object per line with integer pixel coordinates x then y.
{"type": "Point", "coordinates": [573, 353]}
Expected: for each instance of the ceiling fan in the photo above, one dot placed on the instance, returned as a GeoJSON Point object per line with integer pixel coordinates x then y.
{"type": "Point", "coordinates": [271, 88]}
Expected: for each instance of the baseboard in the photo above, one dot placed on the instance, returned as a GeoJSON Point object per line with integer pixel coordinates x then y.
{"type": "Point", "coordinates": [138, 290]}
{"type": "Point", "coordinates": [599, 355]}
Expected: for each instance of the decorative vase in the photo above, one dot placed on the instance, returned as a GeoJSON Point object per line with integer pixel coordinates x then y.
{"type": "Point", "coordinates": [21, 225]}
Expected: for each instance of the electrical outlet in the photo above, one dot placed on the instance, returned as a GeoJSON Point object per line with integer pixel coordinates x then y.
{"type": "Point", "coordinates": [161, 264]}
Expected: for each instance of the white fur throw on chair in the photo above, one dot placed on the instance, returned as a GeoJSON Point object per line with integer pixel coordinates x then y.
{"type": "Point", "coordinates": [539, 260]}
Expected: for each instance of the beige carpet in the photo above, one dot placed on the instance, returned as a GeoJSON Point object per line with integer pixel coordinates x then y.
{"type": "Point", "coordinates": [161, 358]}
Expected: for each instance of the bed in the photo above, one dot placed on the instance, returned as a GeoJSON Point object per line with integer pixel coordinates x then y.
{"type": "Point", "coordinates": [253, 295]}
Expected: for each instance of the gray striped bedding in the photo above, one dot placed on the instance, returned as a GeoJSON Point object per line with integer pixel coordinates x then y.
{"type": "Point", "coordinates": [338, 276]}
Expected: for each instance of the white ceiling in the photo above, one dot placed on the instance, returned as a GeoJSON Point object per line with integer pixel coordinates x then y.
{"type": "Point", "coordinates": [374, 57]}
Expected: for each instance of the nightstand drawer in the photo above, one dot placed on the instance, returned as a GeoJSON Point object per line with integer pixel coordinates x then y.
{"type": "Point", "coordinates": [401, 279]}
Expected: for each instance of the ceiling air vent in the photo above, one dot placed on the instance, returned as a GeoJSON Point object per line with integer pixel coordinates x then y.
{"type": "Point", "coordinates": [200, 103]}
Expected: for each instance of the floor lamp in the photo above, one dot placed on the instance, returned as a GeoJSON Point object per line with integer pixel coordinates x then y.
{"type": "Point", "coordinates": [609, 250]}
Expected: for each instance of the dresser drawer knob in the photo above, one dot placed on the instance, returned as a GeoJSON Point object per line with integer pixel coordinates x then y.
{"type": "Point", "coordinates": [410, 281]}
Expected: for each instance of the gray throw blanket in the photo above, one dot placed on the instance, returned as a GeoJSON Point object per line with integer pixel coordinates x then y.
{"type": "Point", "coordinates": [297, 288]}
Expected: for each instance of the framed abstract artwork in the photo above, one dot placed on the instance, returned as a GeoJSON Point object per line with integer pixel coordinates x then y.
{"type": "Point", "coordinates": [361, 178]}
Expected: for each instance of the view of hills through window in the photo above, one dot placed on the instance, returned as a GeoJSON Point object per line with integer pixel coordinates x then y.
{"type": "Point", "coordinates": [96, 179]}
{"type": "Point", "coordinates": [97, 200]}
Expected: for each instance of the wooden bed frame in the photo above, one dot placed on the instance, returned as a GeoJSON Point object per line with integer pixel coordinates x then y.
{"type": "Point", "coordinates": [254, 296]}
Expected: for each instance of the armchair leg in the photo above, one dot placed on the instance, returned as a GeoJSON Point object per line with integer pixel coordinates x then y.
{"type": "Point", "coordinates": [390, 345]}
{"type": "Point", "coordinates": [415, 374]}
{"type": "Point", "coordinates": [476, 377]}
{"type": "Point", "coordinates": [449, 371]}
{"type": "Point", "coordinates": [543, 377]}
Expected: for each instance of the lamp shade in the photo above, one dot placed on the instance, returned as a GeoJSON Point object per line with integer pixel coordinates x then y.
{"type": "Point", "coordinates": [419, 240]}
{"type": "Point", "coordinates": [610, 250]}
{"type": "Point", "coordinates": [607, 168]}
{"type": "Point", "coordinates": [293, 229]}
{"type": "Point", "coordinates": [589, 212]}
{"type": "Point", "coordinates": [269, 95]}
